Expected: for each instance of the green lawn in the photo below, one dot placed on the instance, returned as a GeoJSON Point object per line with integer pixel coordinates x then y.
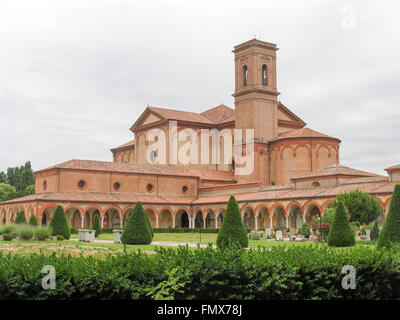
{"type": "Point", "coordinates": [100, 249]}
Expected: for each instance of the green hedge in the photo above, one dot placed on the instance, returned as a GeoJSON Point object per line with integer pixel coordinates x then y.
{"type": "Point", "coordinates": [309, 272]}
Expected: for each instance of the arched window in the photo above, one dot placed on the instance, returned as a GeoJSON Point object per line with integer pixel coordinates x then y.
{"type": "Point", "coordinates": [264, 75]}
{"type": "Point", "coordinates": [316, 184]}
{"type": "Point", "coordinates": [245, 75]}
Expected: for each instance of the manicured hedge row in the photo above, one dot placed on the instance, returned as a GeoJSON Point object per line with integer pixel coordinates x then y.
{"type": "Point", "coordinates": [310, 272]}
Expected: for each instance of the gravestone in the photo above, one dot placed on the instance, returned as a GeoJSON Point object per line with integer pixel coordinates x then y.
{"type": "Point", "coordinates": [368, 233]}
{"type": "Point", "coordinates": [117, 236]}
{"type": "Point", "coordinates": [278, 235]}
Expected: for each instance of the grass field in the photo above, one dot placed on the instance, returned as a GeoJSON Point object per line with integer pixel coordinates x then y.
{"type": "Point", "coordinates": [74, 247]}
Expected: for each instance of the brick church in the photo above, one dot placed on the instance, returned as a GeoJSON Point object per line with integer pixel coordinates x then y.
{"type": "Point", "coordinates": [296, 170]}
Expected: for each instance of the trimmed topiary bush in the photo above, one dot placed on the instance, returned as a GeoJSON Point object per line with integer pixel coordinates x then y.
{"type": "Point", "coordinates": [96, 225]}
{"type": "Point", "coordinates": [149, 224]}
{"type": "Point", "coordinates": [20, 218]}
{"type": "Point", "coordinates": [33, 221]}
{"type": "Point", "coordinates": [232, 229]}
{"type": "Point", "coordinates": [137, 229]}
{"type": "Point", "coordinates": [340, 233]}
{"type": "Point", "coordinates": [59, 224]}
{"type": "Point", "coordinates": [375, 232]}
{"type": "Point", "coordinates": [391, 229]}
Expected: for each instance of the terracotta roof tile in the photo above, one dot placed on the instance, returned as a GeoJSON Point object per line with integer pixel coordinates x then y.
{"type": "Point", "coordinates": [385, 188]}
{"type": "Point", "coordinates": [180, 115]}
{"type": "Point", "coordinates": [125, 145]}
{"type": "Point", "coordinates": [82, 196]}
{"type": "Point", "coordinates": [336, 170]}
{"type": "Point", "coordinates": [302, 133]}
{"type": "Point", "coordinates": [366, 180]}
{"type": "Point", "coordinates": [219, 114]}
{"type": "Point", "coordinates": [396, 167]}
{"type": "Point", "coordinates": [144, 169]}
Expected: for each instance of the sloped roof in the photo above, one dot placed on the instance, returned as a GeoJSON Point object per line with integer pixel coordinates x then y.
{"type": "Point", "coordinates": [336, 170]}
{"type": "Point", "coordinates": [143, 169]}
{"type": "Point", "coordinates": [171, 114]}
{"type": "Point", "coordinates": [113, 197]}
{"type": "Point", "coordinates": [302, 133]}
{"type": "Point", "coordinates": [396, 167]}
{"type": "Point", "coordinates": [125, 145]}
{"type": "Point", "coordinates": [219, 114]}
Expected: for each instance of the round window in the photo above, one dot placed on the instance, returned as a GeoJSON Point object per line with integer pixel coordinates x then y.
{"type": "Point", "coordinates": [149, 187]}
{"type": "Point", "coordinates": [184, 189]}
{"type": "Point", "coordinates": [81, 184]}
{"type": "Point", "coordinates": [117, 186]}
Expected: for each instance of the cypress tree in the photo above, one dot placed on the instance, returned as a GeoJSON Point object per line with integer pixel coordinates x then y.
{"type": "Point", "coordinates": [96, 225]}
{"type": "Point", "coordinates": [149, 224]}
{"type": "Point", "coordinates": [33, 221]}
{"type": "Point", "coordinates": [20, 218]}
{"type": "Point", "coordinates": [340, 233]}
{"type": "Point", "coordinates": [391, 229]}
{"type": "Point", "coordinates": [232, 229]}
{"type": "Point", "coordinates": [375, 232]}
{"type": "Point", "coordinates": [59, 224]}
{"type": "Point", "coordinates": [137, 229]}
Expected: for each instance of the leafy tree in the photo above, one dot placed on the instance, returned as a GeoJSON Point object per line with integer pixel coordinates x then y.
{"type": "Point", "coordinates": [375, 232]}
{"type": "Point", "coordinates": [20, 218]}
{"type": "Point", "coordinates": [33, 220]}
{"type": "Point", "coordinates": [362, 207]}
{"type": "Point", "coordinates": [391, 229]}
{"type": "Point", "coordinates": [7, 192]}
{"type": "Point", "coordinates": [340, 233]}
{"type": "Point", "coordinates": [137, 229]}
{"type": "Point", "coordinates": [59, 224]}
{"type": "Point", "coordinates": [3, 177]}
{"type": "Point", "coordinates": [21, 178]}
{"type": "Point", "coordinates": [232, 228]}
{"type": "Point", "coordinates": [30, 190]}
{"type": "Point", "coordinates": [96, 225]}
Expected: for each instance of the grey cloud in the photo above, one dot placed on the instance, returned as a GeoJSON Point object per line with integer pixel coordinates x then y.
{"type": "Point", "coordinates": [75, 75]}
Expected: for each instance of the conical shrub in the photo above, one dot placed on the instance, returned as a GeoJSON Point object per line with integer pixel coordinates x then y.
{"type": "Point", "coordinates": [340, 233]}
{"type": "Point", "coordinates": [59, 224]}
{"type": "Point", "coordinates": [232, 228]}
{"type": "Point", "coordinates": [33, 220]}
{"type": "Point", "coordinates": [149, 224]}
{"type": "Point", "coordinates": [391, 229]}
{"type": "Point", "coordinates": [96, 225]}
{"type": "Point", "coordinates": [137, 229]}
{"type": "Point", "coordinates": [375, 232]}
{"type": "Point", "coordinates": [20, 218]}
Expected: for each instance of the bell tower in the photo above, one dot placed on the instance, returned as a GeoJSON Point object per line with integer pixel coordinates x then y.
{"type": "Point", "coordinates": [256, 102]}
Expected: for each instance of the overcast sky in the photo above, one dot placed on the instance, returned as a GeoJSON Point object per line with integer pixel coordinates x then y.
{"type": "Point", "coordinates": [75, 75]}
